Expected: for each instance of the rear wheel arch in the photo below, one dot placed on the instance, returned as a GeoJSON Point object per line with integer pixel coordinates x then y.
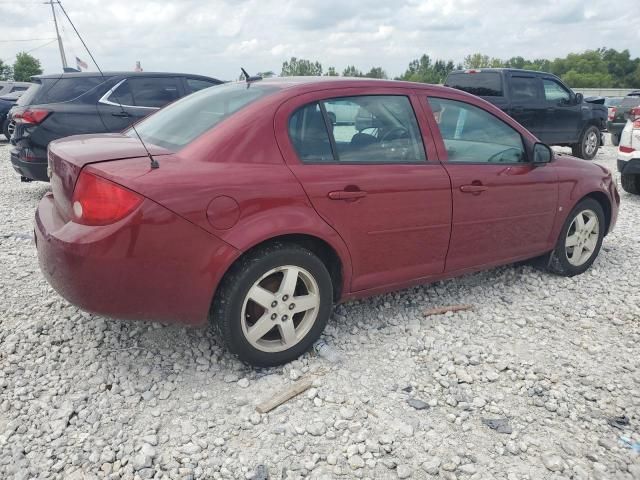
{"type": "Point", "coordinates": [326, 252]}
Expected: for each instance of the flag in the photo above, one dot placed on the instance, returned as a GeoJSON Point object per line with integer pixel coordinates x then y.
{"type": "Point", "coordinates": [138, 67]}
{"type": "Point", "coordinates": [81, 65]}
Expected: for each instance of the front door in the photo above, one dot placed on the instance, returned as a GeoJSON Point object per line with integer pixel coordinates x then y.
{"type": "Point", "coordinates": [503, 206]}
{"type": "Point", "coordinates": [563, 116]}
{"type": "Point", "coordinates": [363, 165]}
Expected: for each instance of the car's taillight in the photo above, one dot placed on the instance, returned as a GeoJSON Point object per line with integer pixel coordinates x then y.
{"type": "Point", "coordinates": [98, 201]}
{"type": "Point", "coordinates": [612, 113]}
{"type": "Point", "coordinates": [624, 149]}
{"type": "Point", "coordinates": [634, 116]}
{"type": "Point", "coordinates": [31, 116]}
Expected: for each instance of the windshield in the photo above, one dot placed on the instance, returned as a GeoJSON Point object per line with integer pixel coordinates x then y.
{"type": "Point", "coordinates": [181, 122]}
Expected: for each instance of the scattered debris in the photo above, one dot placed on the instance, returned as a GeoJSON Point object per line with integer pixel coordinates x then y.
{"type": "Point", "coordinates": [326, 351]}
{"type": "Point", "coordinates": [407, 389]}
{"type": "Point", "coordinates": [619, 422]}
{"type": "Point", "coordinates": [450, 308]}
{"type": "Point", "coordinates": [417, 403]}
{"type": "Point", "coordinates": [632, 444]}
{"type": "Point", "coordinates": [294, 390]}
{"type": "Point", "coordinates": [500, 425]}
{"type": "Point", "coordinates": [261, 473]}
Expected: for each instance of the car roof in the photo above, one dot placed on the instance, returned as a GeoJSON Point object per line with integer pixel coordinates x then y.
{"type": "Point", "coordinates": [499, 70]}
{"type": "Point", "coordinates": [11, 82]}
{"type": "Point", "coordinates": [122, 74]}
{"type": "Point", "coordinates": [332, 82]}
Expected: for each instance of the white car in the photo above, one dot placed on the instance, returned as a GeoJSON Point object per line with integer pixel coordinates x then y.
{"type": "Point", "coordinates": [629, 153]}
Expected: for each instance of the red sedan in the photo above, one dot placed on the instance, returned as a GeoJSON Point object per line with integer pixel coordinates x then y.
{"type": "Point", "coordinates": [274, 199]}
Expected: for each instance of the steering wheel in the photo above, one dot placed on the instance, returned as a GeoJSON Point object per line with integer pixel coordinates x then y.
{"type": "Point", "coordinates": [502, 152]}
{"type": "Point", "coordinates": [401, 130]}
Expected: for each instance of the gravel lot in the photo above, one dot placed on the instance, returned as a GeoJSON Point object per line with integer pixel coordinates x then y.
{"type": "Point", "coordinates": [85, 397]}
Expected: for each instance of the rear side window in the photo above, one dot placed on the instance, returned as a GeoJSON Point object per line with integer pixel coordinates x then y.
{"type": "Point", "coordinates": [524, 89]}
{"type": "Point", "coordinates": [185, 120]}
{"type": "Point", "coordinates": [473, 135]}
{"type": "Point", "coordinates": [196, 84]}
{"type": "Point", "coordinates": [484, 84]}
{"type": "Point", "coordinates": [146, 92]}
{"type": "Point", "coordinates": [309, 135]}
{"type": "Point", "coordinates": [56, 90]}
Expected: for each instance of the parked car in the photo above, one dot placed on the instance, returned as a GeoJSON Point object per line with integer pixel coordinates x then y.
{"type": "Point", "coordinates": [541, 103]}
{"type": "Point", "coordinates": [629, 153]}
{"type": "Point", "coordinates": [263, 212]}
{"type": "Point", "coordinates": [6, 103]}
{"type": "Point", "coordinates": [619, 115]}
{"type": "Point", "coordinates": [7, 87]}
{"type": "Point", "coordinates": [66, 104]}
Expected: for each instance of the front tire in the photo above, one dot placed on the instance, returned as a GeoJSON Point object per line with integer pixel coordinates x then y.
{"type": "Point", "coordinates": [631, 183]}
{"type": "Point", "coordinates": [5, 129]}
{"type": "Point", "coordinates": [273, 304]}
{"type": "Point", "coordinates": [580, 239]}
{"type": "Point", "coordinates": [587, 146]}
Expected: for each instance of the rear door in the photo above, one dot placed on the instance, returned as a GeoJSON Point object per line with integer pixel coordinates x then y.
{"type": "Point", "coordinates": [526, 105]}
{"type": "Point", "coordinates": [368, 173]}
{"type": "Point", "coordinates": [134, 98]}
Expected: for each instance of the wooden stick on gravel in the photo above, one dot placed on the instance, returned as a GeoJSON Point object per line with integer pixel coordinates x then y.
{"type": "Point", "coordinates": [450, 308]}
{"type": "Point", "coordinates": [277, 400]}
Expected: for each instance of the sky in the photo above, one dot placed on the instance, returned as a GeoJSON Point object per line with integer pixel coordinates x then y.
{"type": "Point", "coordinates": [217, 37]}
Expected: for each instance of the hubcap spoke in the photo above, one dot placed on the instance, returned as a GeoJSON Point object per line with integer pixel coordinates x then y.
{"type": "Point", "coordinates": [572, 240]}
{"type": "Point", "coordinates": [289, 281]}
{"type": "Point", "coordinates": [261, 296]}
{"type": "Point", "coordinates": [305, 302]}
{"type": "Point", "coordinates": [260, 329]}
{"type": "Point", "coordinates": [579, 223]}
{"type": "Point", "coordinates": [591, 225]}
{"type": "Point", "coordinates": [591, 243]}
{"type": "Point", "coordinates": [288, 332]}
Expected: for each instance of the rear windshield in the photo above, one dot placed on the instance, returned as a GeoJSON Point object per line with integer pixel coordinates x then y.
{"type": "Point", "coordinates": [181, 122]}
{"type": "Point", "coordinates": [56, 90]}
{"type": "Point", "coordinates": [483, 84]}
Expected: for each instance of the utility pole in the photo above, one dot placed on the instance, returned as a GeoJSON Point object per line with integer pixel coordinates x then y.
{"type": "Point", "coordinates": [55, 22]}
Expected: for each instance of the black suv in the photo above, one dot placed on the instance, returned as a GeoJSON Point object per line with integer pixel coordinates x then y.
{"type": "Point", "coordinates": [57, 106]}
{"type": "Point", "coordinates": [541, 103]}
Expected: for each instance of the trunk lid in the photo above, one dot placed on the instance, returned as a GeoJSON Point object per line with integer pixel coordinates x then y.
{"type": "Point", "coordinates": [68, 156]}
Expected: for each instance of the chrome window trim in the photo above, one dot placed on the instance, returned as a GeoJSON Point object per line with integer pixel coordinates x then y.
{"type": "Point", "coordinates": [104, 99]}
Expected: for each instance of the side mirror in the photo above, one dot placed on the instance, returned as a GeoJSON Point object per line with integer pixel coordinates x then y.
{"type": "Point", "coordinates": [541, 154]}
{"type": "Point", "coordinates": [579, 98]}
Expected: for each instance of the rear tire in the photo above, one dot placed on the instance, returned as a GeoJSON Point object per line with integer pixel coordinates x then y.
{"type": "Point", "coordinates": [615, 139]}
{"type": "Point", "coordinates": [580, 239]}
{"type": "Point", "coordinates": [587, 146]}
{"type": "Point", "coordinates": [631, 183]}
{"type": "Point", "coordinates": [5, 129]}
{"type": "Point", "coordinates": [273, 304]}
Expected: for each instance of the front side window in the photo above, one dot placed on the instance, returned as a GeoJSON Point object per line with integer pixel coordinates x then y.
{"type": "Point", "coordinates": [473, 135]}
{"type": "Point", "coordinates": [195, 84]}
{"type": "Point", "coordinates": [555, 93]}
{"type": "Point", "coordinates": [362, 129]}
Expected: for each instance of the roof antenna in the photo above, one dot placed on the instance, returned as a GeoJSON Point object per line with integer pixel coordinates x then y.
{"type": "Point", "coordinates": [248, 78]}
{"type": "Point", "coordinates": [154, 162]}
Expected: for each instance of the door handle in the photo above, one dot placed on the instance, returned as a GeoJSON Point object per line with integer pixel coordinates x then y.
{"type": "Point", "coordinates": [347, 194]}
{"type": "Point", "coordinates": [551, 109]}
{"type": "Point", "coordinates": [121, 114]}
{"type": "Point", "coordinates": [476, 189]}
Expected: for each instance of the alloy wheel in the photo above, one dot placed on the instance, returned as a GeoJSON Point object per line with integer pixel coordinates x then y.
{"type": "Point", "coordinates": [591, 144]}
{"type": "Point", "coordinates": [280, 308]}
{"type": "Point", "coordinates": [582, 237]}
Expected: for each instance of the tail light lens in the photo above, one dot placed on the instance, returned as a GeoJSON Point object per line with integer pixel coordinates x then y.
{"type": "Point", "coordinates": [612, 113]}
{"type": "Point", "coordinates": [624, 149]}
{"type": "Point", "coordinates": [634, 116]}
{"type": "Point", "coordinates": [31, 116]}
{"type": "Point", "coordinates": [98, 201]}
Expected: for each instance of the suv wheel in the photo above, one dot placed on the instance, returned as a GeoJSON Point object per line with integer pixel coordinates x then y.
{"type": "Point", "coordinates": [615, 139]}
{"type": "Point", "coordinates": [580, 239]}
{"type": "Point", "coordinates": [273, 304]}
{"type": "Point", "coordinates": [631, 183]}
{"type": "Point", "coordinates": [5, 129]}
{"type": "Point", "coordinates": [588, 145]}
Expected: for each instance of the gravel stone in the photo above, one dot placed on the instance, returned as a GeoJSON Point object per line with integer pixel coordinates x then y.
{"type": "Point", "coordinates": [84, 397]}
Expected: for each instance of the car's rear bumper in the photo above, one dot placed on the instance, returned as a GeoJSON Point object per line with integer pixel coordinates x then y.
{"type": "Point", "coordinates": [35, 170]}
{"type": "Point", "coordinates": [628, 165]}
{"type": "Point", "coordinates": [152, 265]}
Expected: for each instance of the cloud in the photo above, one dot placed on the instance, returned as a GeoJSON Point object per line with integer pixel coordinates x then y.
{"type": "Point", "coordinates": [215, 37]}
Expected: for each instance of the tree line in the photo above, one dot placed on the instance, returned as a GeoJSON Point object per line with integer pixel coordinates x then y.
{"type": "Point", "coordinates": [604, 67]}
{"type": "Point", "coordinates": [24, 67]}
